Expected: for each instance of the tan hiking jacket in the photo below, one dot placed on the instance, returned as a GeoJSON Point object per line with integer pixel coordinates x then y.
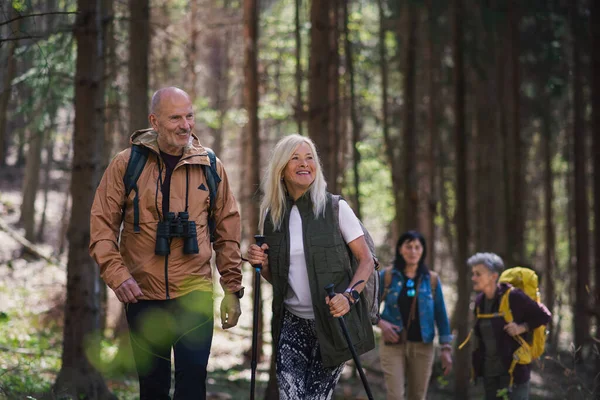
{"type": "Point", "coordinates": [134, 255]}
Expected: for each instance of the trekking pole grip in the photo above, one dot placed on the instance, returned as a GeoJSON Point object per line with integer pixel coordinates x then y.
{"type": "Point", "coordinates": [260, 240]}
{"type": "Point", "coordinates": [330, 291]}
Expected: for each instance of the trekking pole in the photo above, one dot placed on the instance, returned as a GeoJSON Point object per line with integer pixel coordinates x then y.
{"type": "Point", "coordinates": [331, 294]}
{"type": "Point", "coordinates": [260, 239]}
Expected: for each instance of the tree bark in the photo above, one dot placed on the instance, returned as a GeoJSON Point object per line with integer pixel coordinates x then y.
{"type": "Point", "coordinates": [550, 253]}
{"type": "Point", "coordinates": [411, 185]}
{"type": "Point", "coordinates": [319, 96]}
{"type": "Point", "coordinates": [356, 125]}
{"type": "Point", "coordinates": [580, 315]}
{"type": "Point", "coordinates": [462, 221]}
{"type": "Point", "coordinates": [595, 100]}
{"type": "Point", "coordinates": [31, 182]}
{"type": "Point", "coordinates": [391, 145]}
{"type": "Point", "coordinates": [514, 149]}
{"type": "Point", "coordinates": [78, 377]}
{"type": "Point", "coordinates": [428, 204]}
{"type": "Point", "coordinates": [251, 150]}
{"type": "Point", "coordinates": [298, 40]}
{"type": "Point", "coordinates": [139, 50]}
{"type": "Point", "coordinates": [6, 89]}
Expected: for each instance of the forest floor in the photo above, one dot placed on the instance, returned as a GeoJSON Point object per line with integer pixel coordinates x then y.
{"type": "Point", "coordinates": [32, 295]}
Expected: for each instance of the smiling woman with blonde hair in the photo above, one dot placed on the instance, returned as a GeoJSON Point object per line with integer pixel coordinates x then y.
{"type": "Point", "coordinates": [306, 244]}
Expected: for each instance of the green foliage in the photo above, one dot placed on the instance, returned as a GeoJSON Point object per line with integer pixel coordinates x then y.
{"type": "Point", "coordinates": [18, 5]}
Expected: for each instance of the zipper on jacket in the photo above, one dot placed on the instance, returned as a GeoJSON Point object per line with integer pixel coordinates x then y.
{"type": "Point", "coordinates": [167, 276]}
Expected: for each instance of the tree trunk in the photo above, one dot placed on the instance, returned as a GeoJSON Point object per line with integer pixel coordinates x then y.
{"type": "Point", "coordinates": [319, 96]}
{"type": "Point", "coordinates": [192, 52]}
{"type": "Point", "coordinates": [6, 88]}
{"type": "Point", "coordinates": [31, 183]}
{"type": "Point", "coordinates": [580, 306]}
{"type": "Point", "coordinates": [411, 185]}
{"type": "Point", "coordinates": [298, 39]}
{"type": "Point", "coordinates": [550, 258]}
{"type": "Point", "coordinates": [428, 203]}
{"type": "Point", "coordinates": [595, 99]}
{"type": "Point", "coordinates": [462, 222]}
{"type": "Point", "coordinates": [251, 150]}
{"type": "Point", "coordinates": [139, 50]}
{"type": "Point", "coordinates": [78, 377]}
{"type": "Point", "coordinates": [391, 145]}
{"type": "Point", "coordinates": [218, 84]}
{"type": "Point", "coordinates": [46, 188]}
{"type": "Point", "coordinates": [355, 122]}
{"type": "Point", "coordinates": [517, 205]}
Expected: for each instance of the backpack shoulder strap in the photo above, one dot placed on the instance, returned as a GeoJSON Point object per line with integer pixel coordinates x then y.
{"type": "Point", "coordinates": [135, 166]}
{"type": "Point", "coordinates": [434, 278]}
{"type": "Point", "coordinates": [212, 179]}
{"type": "Point", "coordinates": [387, 282]}
{"type": "Point", "coordinates": [504, 307]}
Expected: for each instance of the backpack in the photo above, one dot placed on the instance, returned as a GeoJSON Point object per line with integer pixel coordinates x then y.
{"type": "Point", "coordinates": [387, 282]}
{"type": "Point", "coordinates": [526, 280]}
{"type": "Point", "coordinates": [135, 166]}
{"type": "Point", "coordinates": [370, 292]}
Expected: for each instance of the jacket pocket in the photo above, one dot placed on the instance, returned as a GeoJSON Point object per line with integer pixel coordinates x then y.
{"type": "Point", "coordinates": [328, 253]}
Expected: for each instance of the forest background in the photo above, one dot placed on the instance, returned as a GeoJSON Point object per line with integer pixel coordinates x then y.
{"type": "Point", "coordinates": [476, 122]}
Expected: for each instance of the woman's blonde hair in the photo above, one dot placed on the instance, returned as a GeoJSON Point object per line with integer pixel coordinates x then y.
{"type": "Point", "coordinates": [274, 188]}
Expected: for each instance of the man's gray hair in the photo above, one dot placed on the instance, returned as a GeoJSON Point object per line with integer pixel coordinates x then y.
{"type": "Point", "coordinates": [492, 262]}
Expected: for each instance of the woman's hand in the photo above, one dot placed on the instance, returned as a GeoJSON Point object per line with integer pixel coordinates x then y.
{"type": "Point", "coordinates": [389, 331]}
{"type": "Point", "coordinates": [339, 305]}
{"type": "Point", "coordinates": [446, 359]}
{"type": "Point", "coordinates": [515, 329]}
{"type": "Point", "coordinates": [257, 255]}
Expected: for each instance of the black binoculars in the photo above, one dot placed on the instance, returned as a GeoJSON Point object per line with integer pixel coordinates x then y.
{"type": "Point", "coordinates": [174, 227]}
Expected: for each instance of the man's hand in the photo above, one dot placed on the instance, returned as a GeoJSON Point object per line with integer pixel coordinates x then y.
{"type": "Point", "coordinates": [128, 291]}
{"type": "Point", "coordinates": [230, 310]}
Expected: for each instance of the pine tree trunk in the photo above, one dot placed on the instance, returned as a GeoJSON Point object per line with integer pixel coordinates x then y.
{"type": "Point", "coordinates": [580, 307]}
{"type": "Point", "coordinates": [46, 188]}
{"type": "Point", "coordinates": [595, 100]}
{"type": "Point", "coordinates": [31, 183]}
{"type": "Point", "coordinates": [354, 119]}
{"type": "Point", "coordinates": [550, 258]}
{"type": "Point", "coordinates": [517, 192]}
{"type": "Point", "coordinates": [251, 150]}
{"type": "Point", "coordinates": [428, 203]}
{"type": "Point", "coordinates": [78, 377]}
{"type": "Point", "coordinates": [139, 53]}
{"type": "Point", "coordinates": [6, 89]}
{"type": "Point", "coordinates": [411, 185]}
{"type": "Point", "coordinates": [298, 40]}
{"type": "Point", "coordinates": [462, 221]}
{"type": "Point", "coordinates": [319, 96]}
{"type": "Point", "coordinates": [391, 145]}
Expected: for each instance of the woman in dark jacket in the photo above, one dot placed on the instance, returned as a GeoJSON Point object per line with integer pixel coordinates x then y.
{"type": "Point", "coordinates": [496, 342]}
{"type": "Point", "coordinates": [305, 254]}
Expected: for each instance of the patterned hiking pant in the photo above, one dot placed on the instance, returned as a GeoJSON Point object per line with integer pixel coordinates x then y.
{"type": "Point", "coordinates": [300, 371]}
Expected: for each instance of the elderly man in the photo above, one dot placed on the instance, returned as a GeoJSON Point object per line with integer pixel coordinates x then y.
{"type": "Point", "coordinates": [158, 265]}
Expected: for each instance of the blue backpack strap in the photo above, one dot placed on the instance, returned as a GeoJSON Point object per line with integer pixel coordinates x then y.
{"type": "Point", "coordinates": [212, 179]}
{"type": "Point", "coordinates": [135, 166]}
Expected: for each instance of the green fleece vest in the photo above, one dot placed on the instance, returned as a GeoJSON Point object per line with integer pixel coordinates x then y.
{"type": "Point", "coordinates": [324, 247]}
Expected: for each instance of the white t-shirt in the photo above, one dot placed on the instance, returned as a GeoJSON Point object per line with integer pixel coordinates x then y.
{"type": "Point", "coordinates": [297, 299]}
